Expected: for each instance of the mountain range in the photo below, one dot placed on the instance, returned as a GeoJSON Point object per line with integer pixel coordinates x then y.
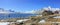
{"type": "Point", "coordinates": [4, 14]}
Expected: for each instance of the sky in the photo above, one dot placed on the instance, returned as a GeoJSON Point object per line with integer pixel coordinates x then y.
{"type": "Point", "coordinates": [28, 5]}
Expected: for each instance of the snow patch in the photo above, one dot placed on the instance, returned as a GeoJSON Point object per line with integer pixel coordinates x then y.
{"type": "Point", "coordinates": [57, 17]}
{"type": "Point", "coordinates": [42, 21]}
{"type": "Point", "coordinates": [4, 23]}
{"type": "Point", "coordinates": [22, 20]}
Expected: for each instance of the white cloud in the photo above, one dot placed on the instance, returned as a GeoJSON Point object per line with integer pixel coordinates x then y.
{"type": "Point", "coordinates": [32, 11]}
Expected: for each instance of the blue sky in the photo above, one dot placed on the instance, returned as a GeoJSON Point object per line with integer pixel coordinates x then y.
{"type": "Point", "coordinates": [28, 5]}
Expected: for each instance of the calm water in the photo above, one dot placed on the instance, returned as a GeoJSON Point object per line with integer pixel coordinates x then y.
{"type": "Point", "coordinates": [15, 15]}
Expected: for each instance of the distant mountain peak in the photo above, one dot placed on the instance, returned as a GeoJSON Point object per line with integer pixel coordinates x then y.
{"type": "Point", "coordinates": [5, 11]}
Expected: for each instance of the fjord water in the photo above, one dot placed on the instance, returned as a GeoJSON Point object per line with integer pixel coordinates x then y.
{"type": "Point", "coordinates": [15, 15]}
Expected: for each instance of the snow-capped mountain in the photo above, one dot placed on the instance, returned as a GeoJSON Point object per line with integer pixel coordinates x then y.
{"type": "Point", "coordinates": [47, 8]}
{"type": "Point", "coordinates": [5, 11]}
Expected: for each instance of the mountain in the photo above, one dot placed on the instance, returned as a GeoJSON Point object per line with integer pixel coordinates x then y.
{"type": "Point", "coordinates": [5, 14]}
{"type": "Point", "coordinates": [47, 8]}
{"type": "Point", "coordinates": [5, 11]}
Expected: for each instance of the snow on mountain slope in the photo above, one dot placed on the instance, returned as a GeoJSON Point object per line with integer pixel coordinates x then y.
{"type": "Point", "coordinates": [5, 11]}
{"type": "Point", "coordinates": [47, 8]}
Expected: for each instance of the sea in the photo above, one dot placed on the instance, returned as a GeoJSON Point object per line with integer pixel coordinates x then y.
{"type": "Point", "coordinates": [15, 15]}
